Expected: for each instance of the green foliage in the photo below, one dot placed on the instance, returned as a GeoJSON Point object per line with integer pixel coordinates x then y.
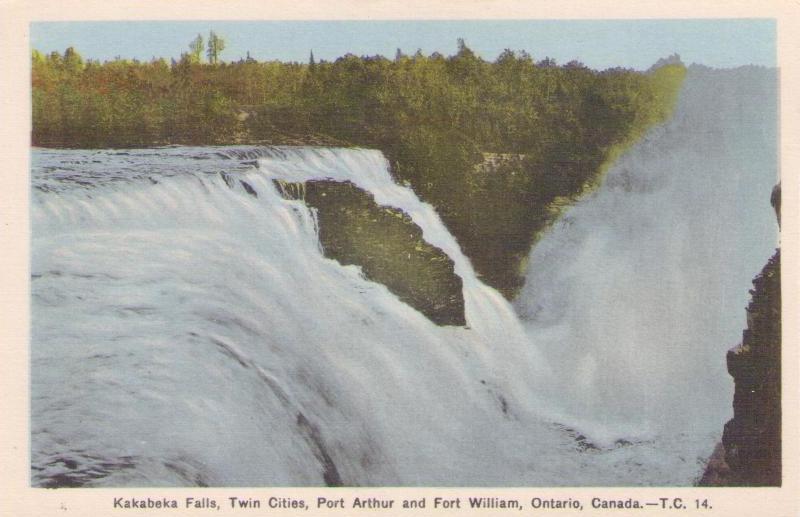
{"type": "Point", "coordinates": [215, 46]}
{"type": "Point", "coordinates": [436, 118]}
{"type": "Point", "coordinates": [196, 49]}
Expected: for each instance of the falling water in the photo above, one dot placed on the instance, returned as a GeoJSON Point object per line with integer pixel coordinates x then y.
{"type": "Point", "coordinates": [637, 293]}
{"type": "Point", "coordinates": [188, 330]}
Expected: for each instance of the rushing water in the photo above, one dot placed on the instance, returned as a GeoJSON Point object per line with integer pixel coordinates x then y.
{"type": "Point", "coordinates": [187, 330]}
{"type": "Point", "coordinates": [637, 293]}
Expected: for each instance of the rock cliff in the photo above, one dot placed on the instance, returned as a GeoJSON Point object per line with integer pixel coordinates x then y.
{"type": "Point", "coordinates": [752, 439]}
{"type": "Point", "coordinates": [750, 453]}
{"type": "Point", "coordinates": [387, 244]}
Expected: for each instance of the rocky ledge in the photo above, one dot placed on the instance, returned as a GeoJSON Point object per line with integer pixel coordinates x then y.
{"type": "Point", "coordinates": [387, 244]}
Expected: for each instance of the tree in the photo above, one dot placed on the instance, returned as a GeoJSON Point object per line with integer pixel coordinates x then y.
{"type": "Point", "coordinates": [547, 62]}
{"type": "Point", "coordinates": [196, 49]}
{"type": "Point", "coordinates": [464, 51]}
{"type": "Point", "coordinates": [506, 57]}
{"type": "Point", "coordinates": [37, 58]}
{"type": "Point", "coordinates": [575, 64]}
{"type": "Point", "coordinates": [72, 60]}
{"type": "Point", "coordinates": [215, 47]}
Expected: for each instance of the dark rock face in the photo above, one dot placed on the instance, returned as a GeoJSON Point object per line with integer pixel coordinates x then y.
{"type": "Point", "coordinates": [752, 439]}
{"type": "Point", "coordinates": [750, 452]}
{"type": "Point", "coordinates": [388, 246]}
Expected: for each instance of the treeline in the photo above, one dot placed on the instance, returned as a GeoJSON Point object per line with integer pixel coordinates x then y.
{"type": "Point", "coordinates": [550, 129]}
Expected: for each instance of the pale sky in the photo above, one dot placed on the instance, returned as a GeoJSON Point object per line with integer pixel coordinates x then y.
{"type": "Point", "coordinates": [600, 44]}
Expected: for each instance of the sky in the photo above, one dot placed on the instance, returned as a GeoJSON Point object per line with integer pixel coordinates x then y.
{"type": "Point", "coordinates": [600, 44]}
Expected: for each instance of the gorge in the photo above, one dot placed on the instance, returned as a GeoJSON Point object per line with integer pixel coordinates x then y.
{"type": "Point", "coordinates": [329, 299]}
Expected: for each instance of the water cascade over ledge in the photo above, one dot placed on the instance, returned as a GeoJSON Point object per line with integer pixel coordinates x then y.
{"type": "Point", "coordinates": [188, 330]}
{"type": "Point", "coordinates": [638, 292]}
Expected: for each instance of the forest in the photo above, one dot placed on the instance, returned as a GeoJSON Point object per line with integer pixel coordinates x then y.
{"type": "Point", "coordinates": [497, 147]}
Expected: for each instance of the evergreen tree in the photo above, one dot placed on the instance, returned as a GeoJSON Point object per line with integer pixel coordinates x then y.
{"type": "Point", "coordinates": [215, 47]}
{"type": "Point", "coordinates": [72, 60]}
{"type": "Point", "coordinates": [196, 49]}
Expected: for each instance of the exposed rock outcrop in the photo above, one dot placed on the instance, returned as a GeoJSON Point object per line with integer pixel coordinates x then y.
{"type": "Point", "coordinates": [750, 453]}
{"type": "Point", "coordinates": [387, 244]}
{"type": "Point", "coordinates": [752, 439]}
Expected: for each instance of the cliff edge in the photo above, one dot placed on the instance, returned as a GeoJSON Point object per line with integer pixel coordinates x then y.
{"type": "Point", "coordinates": [750, 452]}
{"type": "Point", "coordinates": [387, 245]}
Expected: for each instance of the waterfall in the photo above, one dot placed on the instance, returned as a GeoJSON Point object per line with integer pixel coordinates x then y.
{"type": "Point", "coordinates": [637, 293]}
{"type": "Point", "coordinates": [206, 339]}
{"type": "Point", "coordinates": [188, 330]}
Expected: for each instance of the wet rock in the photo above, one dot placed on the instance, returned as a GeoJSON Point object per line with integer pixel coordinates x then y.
{"type": "Point", "coordinates": [750, 452]}
{"type": "Point", "coordinates": [387, 244]}
{"type": "Point", "coordinates": [752, 439]}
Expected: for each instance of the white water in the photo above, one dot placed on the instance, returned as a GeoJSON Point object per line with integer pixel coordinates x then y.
{"type": "Point", "coordinates": [637, 293]}
{"type": "Point", "coordinates": [186, 332]}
